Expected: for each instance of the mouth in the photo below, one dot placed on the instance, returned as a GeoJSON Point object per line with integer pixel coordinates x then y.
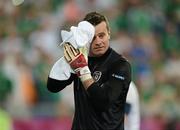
{"type": "Point", "coordinates": [98, 48]}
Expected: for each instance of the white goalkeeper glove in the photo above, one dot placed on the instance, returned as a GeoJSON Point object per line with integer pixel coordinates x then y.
{"type": "Point", "coordinates": [78, 61]}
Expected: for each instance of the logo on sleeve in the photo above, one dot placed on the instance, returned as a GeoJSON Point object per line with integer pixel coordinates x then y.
{"type": "Point", "coordinates": [97, 75]}
{"type": "Point", "coordinates": [118, 76]}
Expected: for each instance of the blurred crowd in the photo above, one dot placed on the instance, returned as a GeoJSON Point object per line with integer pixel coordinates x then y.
{"type": "Point", "coordinates": [147, 32]}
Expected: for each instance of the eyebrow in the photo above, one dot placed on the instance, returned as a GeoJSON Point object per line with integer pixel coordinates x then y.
{"type": "Point", "coordinates": [101, 33]}
{"type": "Point", "coordinates": [98, 34]}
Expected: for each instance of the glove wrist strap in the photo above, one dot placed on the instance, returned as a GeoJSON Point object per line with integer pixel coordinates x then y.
{"type": "Point", "coordinates": [85, 77]}
{"type": "Point", "coordinates": [84, 73]}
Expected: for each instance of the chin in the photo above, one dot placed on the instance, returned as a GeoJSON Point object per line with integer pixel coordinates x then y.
{"type": "Point", "coordinates": [99, 53]}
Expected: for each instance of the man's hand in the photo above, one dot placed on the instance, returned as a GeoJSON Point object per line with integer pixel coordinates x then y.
{"type": "Point", "coordinates": [77, 61]}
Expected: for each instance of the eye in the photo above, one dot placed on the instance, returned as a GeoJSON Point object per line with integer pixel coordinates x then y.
{"type": "Point", "coordinates": [101, 35]}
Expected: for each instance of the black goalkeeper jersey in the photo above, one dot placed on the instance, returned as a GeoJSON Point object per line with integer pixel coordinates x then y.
{"type": "Point", "coordinates": [101, 106]}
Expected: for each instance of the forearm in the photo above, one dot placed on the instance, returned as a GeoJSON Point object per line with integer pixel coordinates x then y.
{"type": "Point", "coordinates": [88, 83]}
{"type": "Point", "coordinates": [54, 85]}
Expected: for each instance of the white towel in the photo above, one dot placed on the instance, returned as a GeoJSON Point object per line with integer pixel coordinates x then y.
{"type": "Point", "coordinates": [79, 36]}
{"type": "Point", "coordinates": [61, 70]}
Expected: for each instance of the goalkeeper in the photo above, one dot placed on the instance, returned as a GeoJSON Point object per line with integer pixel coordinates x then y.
{"type": "Point", "coordinates": [101, 79]}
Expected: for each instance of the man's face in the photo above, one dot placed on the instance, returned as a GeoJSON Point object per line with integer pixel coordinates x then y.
{"type": "Point", "coordinates": [100, 42]}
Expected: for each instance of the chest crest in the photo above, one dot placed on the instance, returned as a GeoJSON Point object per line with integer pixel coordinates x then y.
{"type": "Point", "coordinates": [97, 75]}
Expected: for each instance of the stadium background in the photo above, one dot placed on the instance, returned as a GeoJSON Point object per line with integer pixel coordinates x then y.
{"type": "Point", "coordinates": [147, 32]}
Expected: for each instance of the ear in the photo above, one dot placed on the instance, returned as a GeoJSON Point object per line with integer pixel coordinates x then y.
{"type": "Point", "coordinates": [109, 35]}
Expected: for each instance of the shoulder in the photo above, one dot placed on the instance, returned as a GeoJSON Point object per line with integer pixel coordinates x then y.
{"type": "Point", "coordinates": [118, 60]}
{"type": "Point", "coordinates": [120, 67]}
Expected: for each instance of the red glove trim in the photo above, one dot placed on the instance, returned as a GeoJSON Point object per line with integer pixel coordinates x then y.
{"type": "Point", "coordinates": [79, 62]}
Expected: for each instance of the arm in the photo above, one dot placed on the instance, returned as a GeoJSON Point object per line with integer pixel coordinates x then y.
{"type": "Point", "coordinates": [88, 83]}
{"type": "Point", "coordinates": [60, 76]}
{"type": "Point", "coordinates": [55, 85]}
{"type": "Point", "coordinates": [114, 88]}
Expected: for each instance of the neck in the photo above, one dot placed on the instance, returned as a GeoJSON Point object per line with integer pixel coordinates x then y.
{"type": "Point", "coordinates": [102, 56]}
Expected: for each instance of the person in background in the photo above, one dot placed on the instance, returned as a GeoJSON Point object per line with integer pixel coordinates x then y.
{"type": "Point", "coordinates": [132, 110]}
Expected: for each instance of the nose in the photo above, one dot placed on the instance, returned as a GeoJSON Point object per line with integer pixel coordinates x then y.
{"type": "Point", "coordinates": [98, 41]}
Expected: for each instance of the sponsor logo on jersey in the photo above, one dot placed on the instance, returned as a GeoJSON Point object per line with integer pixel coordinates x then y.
{"type": "Point", "coordinates": [118, 76]}
{"type": "Point", "coordinates": [97, 75]}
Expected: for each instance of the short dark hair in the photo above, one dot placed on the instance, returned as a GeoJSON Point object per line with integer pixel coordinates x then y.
{"type": "Point", "coordinates": [96, 18]}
